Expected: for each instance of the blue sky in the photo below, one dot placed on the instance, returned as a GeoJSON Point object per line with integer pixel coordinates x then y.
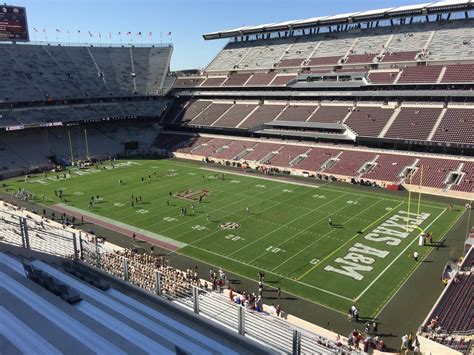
{"type": "Point", "coordinates": [187, 20]}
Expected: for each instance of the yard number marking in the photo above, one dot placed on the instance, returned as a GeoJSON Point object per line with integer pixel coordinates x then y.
{"type": "Point", "coordinates": [350, 202]}
{"type": "Point", "coordinates": [233, 237]}
{"type": "Point", "coordinates": [274, 249]}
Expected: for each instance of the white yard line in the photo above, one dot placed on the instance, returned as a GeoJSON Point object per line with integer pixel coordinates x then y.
{"type": "Point", "coordinates": [395, 259]}
{"type": "Point", "coordinates": [416, 268]}
{"type": "Point", "coordinates": [270, 272]}
{"type": "Point", "coordinates": [303, 230]}
{"type": "Point", "coordinates": [322, 186]}
{"type": "Point", "coordinates": [272, 206]}
{"type": "Point", "coordinates": [267, 178]}
{"type": "Point", "coordinates": [310, 245]}
{"type": "Point", "coordinates": [218, 209]}
{"type": "Point", "coordinates": [282, 226]}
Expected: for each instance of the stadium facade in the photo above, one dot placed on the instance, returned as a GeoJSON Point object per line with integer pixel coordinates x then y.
{"type": "Point", "coordinates": [381, 98]}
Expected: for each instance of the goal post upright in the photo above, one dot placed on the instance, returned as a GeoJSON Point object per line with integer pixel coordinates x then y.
{"type": "Point", "coordinates": [409, 201]}
{"type": "Point", "coordinates": [87, 144]}
{"type": "Point", "coordinates": [70, 146]}
{"type": "Point", "coordinates": [419, 190]}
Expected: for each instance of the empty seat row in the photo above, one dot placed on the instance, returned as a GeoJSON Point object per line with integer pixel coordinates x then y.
{"type": "Point", "coordinates": [59, 288]}
{"type": "Point", "coordinates": [367, 165]}
{"type": "Point", "coordinates": [85, 274]}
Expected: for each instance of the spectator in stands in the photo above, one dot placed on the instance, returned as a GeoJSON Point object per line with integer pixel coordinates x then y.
{"type": "Point", "coordinates": [416, 349]}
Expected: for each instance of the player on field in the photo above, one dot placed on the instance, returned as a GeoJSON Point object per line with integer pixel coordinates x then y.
{"type": "Point", "coordinates": [330, 222]}
{"type": "Point", "coordinates": [247, 210]}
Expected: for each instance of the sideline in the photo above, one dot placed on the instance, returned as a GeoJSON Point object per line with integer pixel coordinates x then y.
{"type": "Point", "coordinates": [322, 186]}
{"type": "Point", "coordinates": [414, 269]}
{"type": "Point", "coordinates": [397, 257]}
{"type": "Point", "coordinates": [122, 228]}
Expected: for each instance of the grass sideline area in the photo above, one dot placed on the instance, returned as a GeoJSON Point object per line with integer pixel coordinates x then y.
{"type": "Point", "coordinates": [246, 224]}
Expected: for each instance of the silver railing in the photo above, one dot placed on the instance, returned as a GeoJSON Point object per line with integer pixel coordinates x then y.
{"type": "Point", "coordinates": [105, 43]}
{"type": "Point", "coordinates": [165, 281]}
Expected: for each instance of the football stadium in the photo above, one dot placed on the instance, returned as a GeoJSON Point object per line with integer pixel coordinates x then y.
{"type": "Point", "coordinates": [309, 191]}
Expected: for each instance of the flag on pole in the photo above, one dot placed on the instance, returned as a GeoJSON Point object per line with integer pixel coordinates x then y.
{"type": "Point", "coordinates": [150, 34]}
{"type": "Point", "coordinates": [35, 29]}
{"type": "Point", "coordinates": [44, 30]}
{"type": "Point", "coordinates": [78, 31]}
{"type": "Point", "coordinates": [110, 35]}
{"type": "Point", "coordinates": [168, 34]}
{"type": "Point", "coordinates": [90, 34]}
{"type": "Point", "coordinates": [100, 35]}
{"type": "Point", "coordinates": [139, 34]}
{"type": "Point", "coordinates": [58, 30]}
{"type": "Point", "coordinates": [129, 33]}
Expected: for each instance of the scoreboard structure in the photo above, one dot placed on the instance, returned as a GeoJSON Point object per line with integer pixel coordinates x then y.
{"type": "Point", "coordinates": [13, 24]}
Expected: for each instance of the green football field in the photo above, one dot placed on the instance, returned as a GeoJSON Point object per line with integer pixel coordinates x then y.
{"type": "Point", "coordinates": [247, 223]}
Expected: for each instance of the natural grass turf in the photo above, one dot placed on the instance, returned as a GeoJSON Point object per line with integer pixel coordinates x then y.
{"type": "Point", "coordinates": [286, 232]}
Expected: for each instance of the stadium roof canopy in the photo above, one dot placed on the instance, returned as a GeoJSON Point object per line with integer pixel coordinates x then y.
{"type": "Point", "coordinates": [371, 15]}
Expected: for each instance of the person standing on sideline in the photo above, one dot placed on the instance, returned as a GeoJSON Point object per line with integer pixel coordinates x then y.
{"type": "Point", "coordinates": [415, 255]}
{"type": "Point", "coordinates": [375, 327]}
{"type": "Point", "coordinates": [278, 310]}
{"type": "Point", "coordinates": [367, 327]}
